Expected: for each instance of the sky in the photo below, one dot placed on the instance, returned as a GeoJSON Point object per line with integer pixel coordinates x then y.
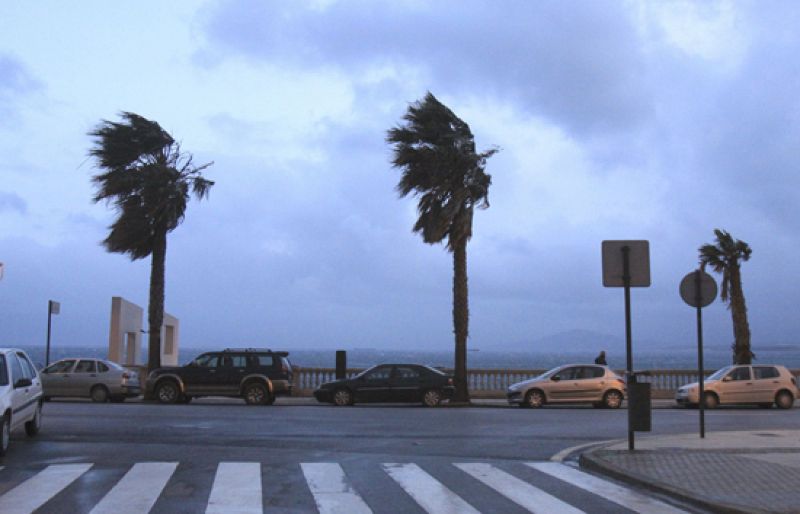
{"type": "Point", "coordinates": [615, 120]}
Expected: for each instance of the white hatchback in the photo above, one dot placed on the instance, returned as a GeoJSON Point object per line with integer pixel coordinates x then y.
{"type": "Point", "coordinates": [20, 395]}
{"type": "Point", "coordinates": [762, 385]}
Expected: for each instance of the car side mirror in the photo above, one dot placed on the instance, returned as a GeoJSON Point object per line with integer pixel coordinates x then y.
{"type": "Point", "coordinates": [727, 379]}
{"type": "Point", "coordinates": [555, 378]}
{"type": "Point", "coordinates": [23, 382]}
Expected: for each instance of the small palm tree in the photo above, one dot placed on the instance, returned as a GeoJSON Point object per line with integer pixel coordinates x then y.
{"type": "Point", "coordinates": [149, 181]}
{"type": "Point", "coordinates": [724, 257]}
{"type": "Point", "coordinates": [436, 151]}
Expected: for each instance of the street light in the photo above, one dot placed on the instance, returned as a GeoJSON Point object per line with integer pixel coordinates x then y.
{"type": "Point", "coordinates": [52, 308]}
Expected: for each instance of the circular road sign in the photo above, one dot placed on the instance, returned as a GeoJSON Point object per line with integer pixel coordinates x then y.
{"type": "Point", "coordinates": [706, 294]}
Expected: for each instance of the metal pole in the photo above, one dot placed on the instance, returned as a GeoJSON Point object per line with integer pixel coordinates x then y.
{"type": "Point", "coordinates": [49, 318]}
{"type": "Point", "coordinates": [700, 372]}
{"type": "Point", "coordinates": [626, 279]}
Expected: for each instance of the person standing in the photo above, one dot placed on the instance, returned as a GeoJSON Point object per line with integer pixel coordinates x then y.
{"type": "Point", "coordinates": [601, 359]}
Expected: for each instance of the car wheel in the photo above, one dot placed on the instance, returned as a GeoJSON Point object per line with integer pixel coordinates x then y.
{"type": "Point", "coordinates": [5, 435]}
{"type": "Point", "coordinates": [167, 392]}
{"type": "Point", "coordinates": [255, 394]}
{"type": "Point", "coordinates": [534, 398]}
{"type": "Point", "coordinates": [710, 401]}
{"type": "Point", "coordinates": [33, 426]}
{"type": "Point", "coordinates": [784, 400]}
{"type": "Point", "coordinates": [612, 399]}
{"type": "Point", "coordinates": [99, 394]}
{"type": "Point", "coordinates": [270, 399]}
{"type": "Point", "coordinates": [342, 397]}
{"type": "Point", "coordinates": [432, 398]}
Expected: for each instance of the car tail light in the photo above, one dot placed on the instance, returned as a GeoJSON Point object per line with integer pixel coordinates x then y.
{"type": "Point", "coordinates": [126, 376]}
{"type": "Point", "coordinates": [449, 381]}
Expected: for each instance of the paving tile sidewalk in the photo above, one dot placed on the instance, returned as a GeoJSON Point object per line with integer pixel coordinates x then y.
{"type": "Point", "coordinates": [737, 471]}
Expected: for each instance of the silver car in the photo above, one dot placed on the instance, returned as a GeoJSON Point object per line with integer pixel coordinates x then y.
{"type": "Point", "coordinates": [761, 385]}
{"type": "Point", "coordinates": [98, 379]}
{"type": "Point", "coordinates": [571, 383]}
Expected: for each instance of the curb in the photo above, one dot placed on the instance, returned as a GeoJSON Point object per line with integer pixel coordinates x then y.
{"type": "Point", "coordinates": [588, 460]}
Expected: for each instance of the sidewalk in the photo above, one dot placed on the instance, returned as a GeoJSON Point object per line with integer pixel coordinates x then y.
{"type": "Point", "coordinates": [737, 472]}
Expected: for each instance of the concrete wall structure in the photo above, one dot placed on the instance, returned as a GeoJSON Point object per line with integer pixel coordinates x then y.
{"type": "Point", "coordinates": [125, 335]}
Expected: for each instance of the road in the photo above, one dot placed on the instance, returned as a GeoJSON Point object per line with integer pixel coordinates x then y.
{"type": "Point", "coordinates": [296, 456]}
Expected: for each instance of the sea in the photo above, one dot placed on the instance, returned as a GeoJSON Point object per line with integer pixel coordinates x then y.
{"type": "Point", "coordinates": [669, 358]}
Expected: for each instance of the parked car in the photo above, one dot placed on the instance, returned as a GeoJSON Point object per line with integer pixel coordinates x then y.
{"type": "Point", "coordinates": [571, 383]}
{"type": "Point", "coordinates": [256, 375]}
{"type": "Point", "coordinates": [20, 396]}
{"type": "Point", "coordinates": [99, 379]}
{"type": "Point", "coordinates": [762, 385]}
{"type": "Point", "coordinates": [390, 383]}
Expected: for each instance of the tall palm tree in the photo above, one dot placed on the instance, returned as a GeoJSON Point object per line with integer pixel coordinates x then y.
{"type": "Point", "coordinates": [149, 181]}
{"type": "Point", "coordinates": [436, 152]}
{"type": "Point", "coordinates": [724, 257]}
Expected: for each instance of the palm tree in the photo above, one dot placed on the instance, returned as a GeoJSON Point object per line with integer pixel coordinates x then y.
{"type": "Point", "coordinates": [725, 257]}
{"type": "Point", "coordinates": [436, 151]}
{"type": "Point", "coordinates": [149, 180]}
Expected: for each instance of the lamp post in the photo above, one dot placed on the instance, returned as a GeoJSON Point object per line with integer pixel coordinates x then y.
{"type": "Point", "coordinates": [52, 308]}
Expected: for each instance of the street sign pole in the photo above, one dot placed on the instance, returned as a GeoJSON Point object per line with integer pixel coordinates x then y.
{"type": "Point", "coordinates": [701, 404]}
{"type": "Point", "coordinates": [698, 290]}
{"type": "Point", "coordinates": [52, 308]}
{"type": "Point", "coordinates": [626, 264]}
{"type": "Point", "coordinates": [626, 279]}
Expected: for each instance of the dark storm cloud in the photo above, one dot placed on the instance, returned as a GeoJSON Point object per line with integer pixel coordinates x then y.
{"type": "Point", "coordinates": [580, 67]}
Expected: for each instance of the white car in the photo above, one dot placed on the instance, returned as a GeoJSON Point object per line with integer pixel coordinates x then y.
{"type": "Point", "coordinates": [762, 385]}
{"type": "Point", "coordinates": [20, 395]}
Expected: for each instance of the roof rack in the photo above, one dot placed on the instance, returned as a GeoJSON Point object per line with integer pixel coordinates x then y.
{"type": "Point", "coordinates": [246, 350]}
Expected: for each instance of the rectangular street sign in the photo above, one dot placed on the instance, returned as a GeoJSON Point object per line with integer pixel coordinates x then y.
{"type": "Point", "coordinates": [638, 263]}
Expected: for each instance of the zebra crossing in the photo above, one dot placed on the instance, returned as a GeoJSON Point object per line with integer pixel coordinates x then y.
{"type": "Point", "coordinates": [329, 488]}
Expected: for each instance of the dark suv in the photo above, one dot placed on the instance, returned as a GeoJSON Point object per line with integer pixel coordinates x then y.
{"type": "Point", "coordinates": [256, 375]}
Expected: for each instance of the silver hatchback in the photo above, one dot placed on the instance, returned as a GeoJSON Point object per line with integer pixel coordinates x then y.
{"type": "Point", "coordinates": [98, 379]}
{"type": "Point", "coordinates": [762, 385]}
{"type": "Point", "coordinates": [571, 383]}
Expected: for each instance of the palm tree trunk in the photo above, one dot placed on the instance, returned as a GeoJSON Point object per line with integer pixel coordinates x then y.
{"type": "Point", "coordinates": [460, 320]}
{"type": "Point", "coordinates": [741, 328]}
{"type": "Point", "coordinates": [155, 310]}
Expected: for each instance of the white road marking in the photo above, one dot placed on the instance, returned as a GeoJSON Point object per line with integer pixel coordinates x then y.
{"type": "Point", "coordinates": [522, 493]}
{"type": "Point", "coordinates": [428, 492]}
{"type": "Point", "coordinates": [37, 490]}
{"type": "Point", "coordinates": [332, 493]}
{"type": "Point", "coordinates": [138, 490]}
{"type": "Point", "coordinates": [236, 489]}
{"type": "Point", "coordinates": [628, 498]}
{"type": "Point", "coordinates": [563, 454]}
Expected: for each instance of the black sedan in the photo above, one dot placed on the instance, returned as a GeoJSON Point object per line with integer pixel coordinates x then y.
{"type": "Point", "coordinates": [389, 383]}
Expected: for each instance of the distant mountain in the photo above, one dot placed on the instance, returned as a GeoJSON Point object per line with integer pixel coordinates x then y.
{"type": "Point", "coordinates": [578, 340]}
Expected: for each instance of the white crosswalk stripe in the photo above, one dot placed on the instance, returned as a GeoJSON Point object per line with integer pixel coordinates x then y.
{"type": "Point", "coordinates": [236, 489]}
{"type": "Point", "coordinates": [428, 492]}
{"type": "Point", "coordinates": [332, 492]}
{"type": "Point", "coordinates": [138, 490]}
{"type": "Point", "coordinates": [522, 493]}
{"type": "Point", "coordinates": [610, 491]}
{"type": "Point", "coordinates": [37, 490]}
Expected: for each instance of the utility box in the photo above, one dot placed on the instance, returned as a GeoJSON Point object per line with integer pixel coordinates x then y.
{"type": "Point", "coordinates": [639, 406]}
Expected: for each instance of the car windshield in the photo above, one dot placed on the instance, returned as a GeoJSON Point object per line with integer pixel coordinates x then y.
{"type": "Point", "coordinates": [550, 372]}
{"type": "Point", "coordinates": [719, 373]}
